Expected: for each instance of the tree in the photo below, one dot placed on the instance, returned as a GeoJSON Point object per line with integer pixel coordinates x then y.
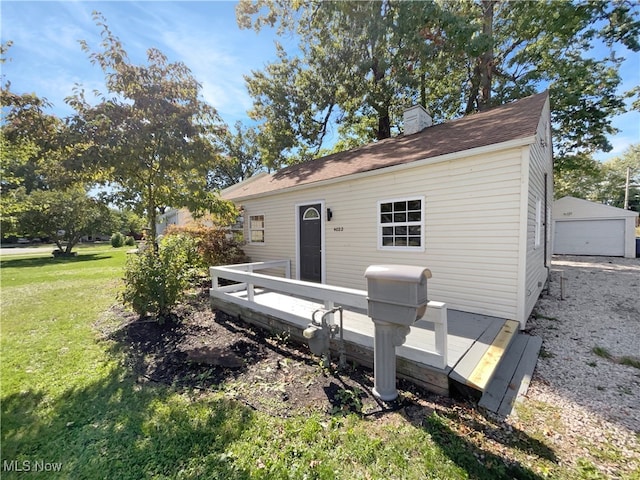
{"type": "Point", "coordinates": [240, 157]}
{"type": "Point", "coordinates": [130, 223]}
{"type": "Point", "coordinates": [578, 176]}
{"type": "Point", "coordinates": [152, 139]}
{"type": "Point", "coordinates": [360, 60]}
{"type": "Point", "coordinates": [611, 189]}
{"type": "Point", "coordinates": [64, 216]}
{"type": "Point", "coordinates": [39, 194]}
{"type": "Point", "coordinates": [355, 70]}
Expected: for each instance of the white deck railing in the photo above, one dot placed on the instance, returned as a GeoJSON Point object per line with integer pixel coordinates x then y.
{"type": "Point", "coordinates": [330, 295]}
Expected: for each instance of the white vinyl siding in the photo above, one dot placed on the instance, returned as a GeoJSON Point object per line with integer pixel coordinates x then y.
{"type": "Point", "coordinates": [535, 244]}
{"type": "Point", "coordinates": [471, 228]}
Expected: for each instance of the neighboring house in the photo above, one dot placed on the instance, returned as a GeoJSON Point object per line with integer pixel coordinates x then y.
{"type": "Point", "coordinates": [469, 199]}
{"type": "Point", "coordinates": [582, 227]}
{"type": "Point", "coordinates": [173, 216]}
{"type": "Point", "coordinates": [182, 217]}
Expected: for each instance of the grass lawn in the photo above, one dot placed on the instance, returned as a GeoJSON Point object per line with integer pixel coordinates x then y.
{"type": "Point", "coordinates": [71, 408]}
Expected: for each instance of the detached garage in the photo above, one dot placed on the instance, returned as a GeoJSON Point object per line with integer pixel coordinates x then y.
{"type": "Point", "coordinates": [586, 228]}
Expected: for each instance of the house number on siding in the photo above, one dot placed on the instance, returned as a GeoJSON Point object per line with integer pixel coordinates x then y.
{"type": "Point", "coordinates": [338, 229]}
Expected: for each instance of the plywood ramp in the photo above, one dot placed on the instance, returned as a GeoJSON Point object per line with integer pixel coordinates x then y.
{"type": "Point", "coordinates": [512, 378]}
{"type": "Point", "coordinates": [497, 369]}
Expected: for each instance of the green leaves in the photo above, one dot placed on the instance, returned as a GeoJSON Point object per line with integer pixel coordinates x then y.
{"type": "Point", "coordinates": [64, 216]}
{"type": "Point", "coordinates": [152, 136]}
{"type": "Point", "coordinates": [361, 63]}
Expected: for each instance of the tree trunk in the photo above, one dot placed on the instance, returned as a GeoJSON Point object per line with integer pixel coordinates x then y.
{"type": "Point", "coordinates": [482, 76]}
{"type": "Point", "coordinates": [384, 125]}
{"type": "Point", "coordinates": [152, 217]}
{"type": "Point", "coordinates": [486, 59]}
{"type": "Point", "coordinates": [423, 88]}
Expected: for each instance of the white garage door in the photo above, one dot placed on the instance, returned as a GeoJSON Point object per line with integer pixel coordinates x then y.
{"type": "Point", "coordinates": [589, 237]}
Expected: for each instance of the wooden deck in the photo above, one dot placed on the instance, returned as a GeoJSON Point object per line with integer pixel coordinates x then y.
{"type": "Point", "coordinates": [483, 357]}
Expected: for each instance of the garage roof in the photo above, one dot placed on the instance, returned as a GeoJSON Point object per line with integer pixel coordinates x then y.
{"type": "Point", "coordinates": [572, 208]}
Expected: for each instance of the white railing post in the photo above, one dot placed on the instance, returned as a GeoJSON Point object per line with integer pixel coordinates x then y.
{"type": "Point", "coordinates": [214, 279]}
{"type": "Point", "coordinates": [250, 290]}
{"type": "Point", "coordinates": [440, 330]}
{"type": "Point", "coordinates": [329, 305]}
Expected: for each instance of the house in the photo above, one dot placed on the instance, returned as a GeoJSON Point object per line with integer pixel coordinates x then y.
{"type": "Point", "coordinates": [172, 216]}
{"type": "Point", "coordinates": [582, 227]}
{"type": "Point", "coordinates": [469, 199]}
{"type": "Point", "coordinates": [179, 217]}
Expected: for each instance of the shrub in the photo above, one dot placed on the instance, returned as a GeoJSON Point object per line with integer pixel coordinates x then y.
{"type": "Point", "coordinates": [154, 283]}
{"type": "Point", "coordinates": [130, 241]}
{"type": "Point", "coordinates": [182, 250]}
{"type": "Point", "coordinates": [215, 246]}
{"type": "Point", "coordinates": [117, 240]}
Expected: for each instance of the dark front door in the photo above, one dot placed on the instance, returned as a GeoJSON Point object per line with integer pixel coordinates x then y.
{"type": "Point", "coordinates": [309, 221]}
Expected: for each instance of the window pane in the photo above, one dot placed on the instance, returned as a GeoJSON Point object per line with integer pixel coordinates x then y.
{"type": "Point", "coordinates": [385, 207]}
{"type": "Point", "coordinates": [415, 204]}
{"type": "Point", "coordinates": [257, 221]}
{"type": "Point", "coordinates": [387, 231]}
{"type": "Point", "coordinates": [387, 241]}
{"type": "Point", "coordinates": [399, 217]}
{"type": "Point", "coordinates": [311, 214]}
{"type": "Point", "coordinates": [400, 206]}
{"type": "Point", "coordinates": [386, 218]}
{"type": "Point", "coordinates": [414, 241]}
{"type": "Point", "coordinates": [414, 230]}
{"type": "Point", "coordinates": [257, 236]}
{"type": "Point", "coordinates": [414, 216]}
{"type": "Point", "coordinates": [401, 242]}
{"type": "Point", "coordinates": [400, 230]}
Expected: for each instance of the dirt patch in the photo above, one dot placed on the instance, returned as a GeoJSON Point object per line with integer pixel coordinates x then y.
{"type": "Point", "coordinates": [200, 349]}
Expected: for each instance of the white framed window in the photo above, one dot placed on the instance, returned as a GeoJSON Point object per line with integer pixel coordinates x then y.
{"type": "Point", "coordinates": [538, 227]}
{"type": "Point", "coordinates": [401, 224]}
{"type": "Point", "coordinates": [256, 229]}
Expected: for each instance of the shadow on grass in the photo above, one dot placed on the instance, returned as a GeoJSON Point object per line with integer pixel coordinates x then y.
{"type": "Point", "coordinates": [463, 445]}
{"type": "Point", "coordinates": [46, 261]}
{"type": "Point", "coordinates": [114, 428]}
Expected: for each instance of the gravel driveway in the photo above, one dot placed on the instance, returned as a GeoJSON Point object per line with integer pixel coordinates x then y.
{"type": "Point", "coordinates": [587, 337]}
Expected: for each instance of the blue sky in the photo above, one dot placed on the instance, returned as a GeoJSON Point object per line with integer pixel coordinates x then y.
{"type": "Point", "coordinates": [46, 58]}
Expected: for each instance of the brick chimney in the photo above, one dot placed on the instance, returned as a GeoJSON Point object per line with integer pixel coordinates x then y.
{"type": "Point", "coordinates": [416, 119]}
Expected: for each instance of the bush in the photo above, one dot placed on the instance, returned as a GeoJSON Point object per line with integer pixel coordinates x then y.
{"type": "Point", "coordinates": [213, 243]}
{"type": "Point", "coordinates": [117, 240]}
{"type": "Point", "coordinates": [154, 283]}
{"type": "Point", "coordinates": [130, 241]}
